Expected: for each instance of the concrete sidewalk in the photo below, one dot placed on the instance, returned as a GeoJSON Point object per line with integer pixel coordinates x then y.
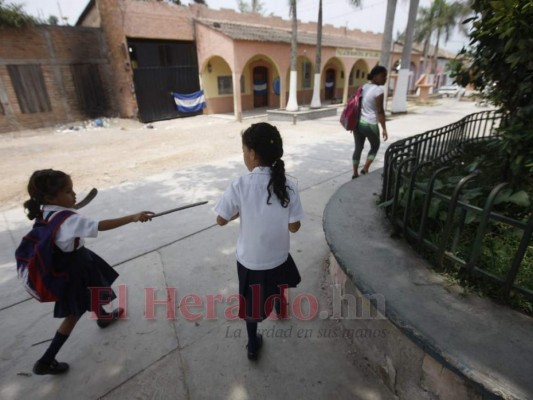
{"type": "Point", "coordinates": [178, 356]}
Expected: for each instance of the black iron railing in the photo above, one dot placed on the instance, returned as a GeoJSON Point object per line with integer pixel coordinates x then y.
{"type": "Point", "coordinates": [436, 150]}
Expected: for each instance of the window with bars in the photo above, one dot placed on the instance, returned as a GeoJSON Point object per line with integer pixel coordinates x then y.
{"type": "Point", "coordinates": [90, 92]}
{"type": "Point", "coordinates": [225, 85]}
{"type": "Point", "coordinates": [28, 82]}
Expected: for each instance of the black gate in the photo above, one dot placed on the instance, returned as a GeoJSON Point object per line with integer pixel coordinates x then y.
{"type": "Point", "coordinates": [160, 69]}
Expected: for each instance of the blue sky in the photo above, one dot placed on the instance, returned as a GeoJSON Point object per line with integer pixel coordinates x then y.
{"type": "Point", "coordinates": [369, 17]}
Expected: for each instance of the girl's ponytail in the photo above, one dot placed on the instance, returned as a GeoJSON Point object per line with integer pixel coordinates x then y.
{"type": "Point", "coordinates": [33, 208]}
{"type": "Point", "coordinates": [278, 183]}
{"type": "Point", "coordinates": [266, 141]}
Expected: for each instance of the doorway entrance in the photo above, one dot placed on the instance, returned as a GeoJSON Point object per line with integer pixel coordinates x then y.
{"type": "Point", "coordinates": [329, 90]}
{"type": "Point", "coordinates": [260, 80]}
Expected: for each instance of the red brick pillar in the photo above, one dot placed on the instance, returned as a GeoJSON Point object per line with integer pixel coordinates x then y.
{"type": "Point", "coordinates": [113, 19]}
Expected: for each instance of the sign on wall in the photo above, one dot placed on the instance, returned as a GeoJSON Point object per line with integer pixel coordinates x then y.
{"type": "Point", "coordinates": [357, 53]}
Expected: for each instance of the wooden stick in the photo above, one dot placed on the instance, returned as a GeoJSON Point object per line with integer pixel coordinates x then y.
{"type": "Point", "coordinates": [178, 209]}
{"type": "Point", "coordinates": [92, 194]}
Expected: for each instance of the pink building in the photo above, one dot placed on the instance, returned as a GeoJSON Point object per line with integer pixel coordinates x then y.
{"type": "Point", "coordinates": [241, 61]}
{"type": "Point", "coordinates": [128, 57]}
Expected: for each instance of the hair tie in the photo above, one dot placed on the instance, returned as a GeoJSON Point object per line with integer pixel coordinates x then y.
{"type": "Point", "coordinates": [271, 141]}
{"type": "Point", "coordinates": [274, 163]}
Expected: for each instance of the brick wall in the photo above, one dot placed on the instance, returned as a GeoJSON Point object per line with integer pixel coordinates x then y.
{"type": "Point", "coordinates": [54, 49]}
{"type": "Point", "coordinates": [121, 20]}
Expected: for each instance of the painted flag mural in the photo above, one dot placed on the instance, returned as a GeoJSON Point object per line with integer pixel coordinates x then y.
{"type": "Point", "coordinates": [260, 87]}
{"type": "Point", "coordinates": [191, 102]}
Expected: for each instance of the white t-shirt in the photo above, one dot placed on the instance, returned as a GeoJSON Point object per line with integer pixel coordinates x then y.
{"type": "Point", "coordinates": [264, 228]}
{"type": "Point", "coordinates": [369, 111]}
{"type": "Point", "coordinates": [74, 227]}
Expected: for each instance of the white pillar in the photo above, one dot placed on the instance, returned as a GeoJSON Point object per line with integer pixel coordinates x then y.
{"type": "Point", "coordinates": [399, 100]}
{"type": "Point", "coordinates": [292, 104]}
{"type": "Point", "coordinates": [315, 101]}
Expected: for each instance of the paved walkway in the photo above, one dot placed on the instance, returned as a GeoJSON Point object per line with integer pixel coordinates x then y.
{"type": "Point", "coordinates": [177, 356]}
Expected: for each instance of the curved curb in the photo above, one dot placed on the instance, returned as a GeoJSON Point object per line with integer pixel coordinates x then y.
{"type": "Point", "coordinates": [486, 345]}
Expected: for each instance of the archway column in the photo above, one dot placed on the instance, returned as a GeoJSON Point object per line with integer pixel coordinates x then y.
{"type": "Point", "coordinates": [346, 84]}
{"type": "Point", "coordinates": [237, 101]}
{"type": "Point", "coordinates": [282, 90]}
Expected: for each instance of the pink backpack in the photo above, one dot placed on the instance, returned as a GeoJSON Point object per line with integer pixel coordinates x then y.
{"type": "Point", "coordinates": [351, 113]}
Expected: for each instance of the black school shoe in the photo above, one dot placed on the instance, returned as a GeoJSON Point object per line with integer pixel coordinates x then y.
{"type": "Point", "coordinates": [54, 368]}
{"type": "Point", "coordinates": [110, 318]}
{"type": "Point", "coordinates": [254, 354]}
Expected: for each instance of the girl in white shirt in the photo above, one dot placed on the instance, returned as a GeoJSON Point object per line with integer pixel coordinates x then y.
{"type": "Point", "coordinates": [268, 205]}
{"type": "Point", "coordinates": [372, 113]}
{"type": "Point", "coordinates": [51, 192]}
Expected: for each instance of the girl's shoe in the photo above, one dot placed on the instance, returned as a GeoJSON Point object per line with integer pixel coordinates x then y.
{"type": "Point", "coordinates": [254, 354]}
{"type": "Point", "coordinates": [363, 172]}
{"type": "Point", "coordinates": [108, 319]}
{"type": "Point", "coordinates": [54, 368]}
{"type": "Point", "coordinates": [355, 176]}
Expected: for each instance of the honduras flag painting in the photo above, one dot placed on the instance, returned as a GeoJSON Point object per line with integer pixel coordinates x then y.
{"type": "Point", "coordinates": [260, 87]}
{"type": "Point", "coordinates": [192, 102]}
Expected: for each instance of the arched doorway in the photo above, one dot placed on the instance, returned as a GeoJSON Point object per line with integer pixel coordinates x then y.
{"type": "Point", "coordinates": [260, 76]}
{"type": "Point", "coordinates": [329, 83]}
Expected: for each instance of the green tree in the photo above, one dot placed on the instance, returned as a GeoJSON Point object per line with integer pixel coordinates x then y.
{"type": "Point", "coordinates": [438, 21]}
{"type": "Point", "coordinates": [255, 6]}
{"type": "Point", "coordinates": [13, 15]}
{"type": "Point", "coordinates": [386, 43]}
{"type": "Point", "coordinates": [53, 20]}
{"type": "Point", "coordinates": [502, 63]}
{"type": "Point", "coordinates": [399, 100]}
{"type": "Point", "coordinates": [315, 100]}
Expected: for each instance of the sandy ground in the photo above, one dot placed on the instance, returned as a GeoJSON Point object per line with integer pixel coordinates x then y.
{"type": "Point", "coordinates": [123, 151]}
{"type": "Point", "coordinates": [127, 150]}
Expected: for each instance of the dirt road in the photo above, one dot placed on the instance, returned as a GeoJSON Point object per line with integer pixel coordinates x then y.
{"type": "Point", "coordinates": [126, 150]}
{"type": "Point", "coordinates": [105, 156]}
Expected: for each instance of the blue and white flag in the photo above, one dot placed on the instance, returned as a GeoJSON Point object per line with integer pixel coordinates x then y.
{"type": "Point", "coordinates": [192, 102]}
{"type": "Point", "coordinates": [260, 87]}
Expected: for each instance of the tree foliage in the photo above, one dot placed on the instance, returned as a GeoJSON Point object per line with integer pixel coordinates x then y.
{"type": "Point", "coordinates": [13, 16]}
{"type": "Point", "coordinates": [254, 6]}
{"type": "Point", "coordinates": [53, 20]}
{"type": "Point", "coordinates": [502, 66]}
{"type": "Point", "coordinates": [436, 22]}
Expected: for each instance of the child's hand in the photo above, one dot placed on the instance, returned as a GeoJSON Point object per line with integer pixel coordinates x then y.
{"type": "Point", "coordinates": [143, 216]}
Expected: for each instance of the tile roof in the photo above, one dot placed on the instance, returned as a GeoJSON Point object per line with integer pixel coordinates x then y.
{"type": "Point", "coordinates": [263, 33]}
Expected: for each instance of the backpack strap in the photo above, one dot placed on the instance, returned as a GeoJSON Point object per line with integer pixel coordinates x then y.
{"type": "Point", "coordinates": [53, 221]}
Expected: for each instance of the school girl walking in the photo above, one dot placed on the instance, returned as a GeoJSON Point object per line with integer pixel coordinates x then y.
{"type": "Point", "coordinates": [268, 206]}
{"type": "Point", "coordinates": [51, 193]}
{"type": "Point", "coordinates": [372, 113]}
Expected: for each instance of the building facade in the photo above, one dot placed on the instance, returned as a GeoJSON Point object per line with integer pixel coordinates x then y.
{"type": "Point", "coordinates": [127, 58]}
{"type": "Point", "coordinates": [51, 75]}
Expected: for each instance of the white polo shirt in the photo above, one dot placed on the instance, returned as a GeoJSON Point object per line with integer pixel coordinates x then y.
{"type": "Point", "coordinates": [264, 228]}
{"type": "Point", "coordinates": [75, 226]}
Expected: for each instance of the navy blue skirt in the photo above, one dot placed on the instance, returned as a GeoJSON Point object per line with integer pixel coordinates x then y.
{"type": "Point", "coordinates": [89, 284]}
{"type": "Point", "coordinates": [259, 289]}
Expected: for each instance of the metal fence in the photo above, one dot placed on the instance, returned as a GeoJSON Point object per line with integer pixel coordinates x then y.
{"type": "Point", "coordinates": [436, 151]}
